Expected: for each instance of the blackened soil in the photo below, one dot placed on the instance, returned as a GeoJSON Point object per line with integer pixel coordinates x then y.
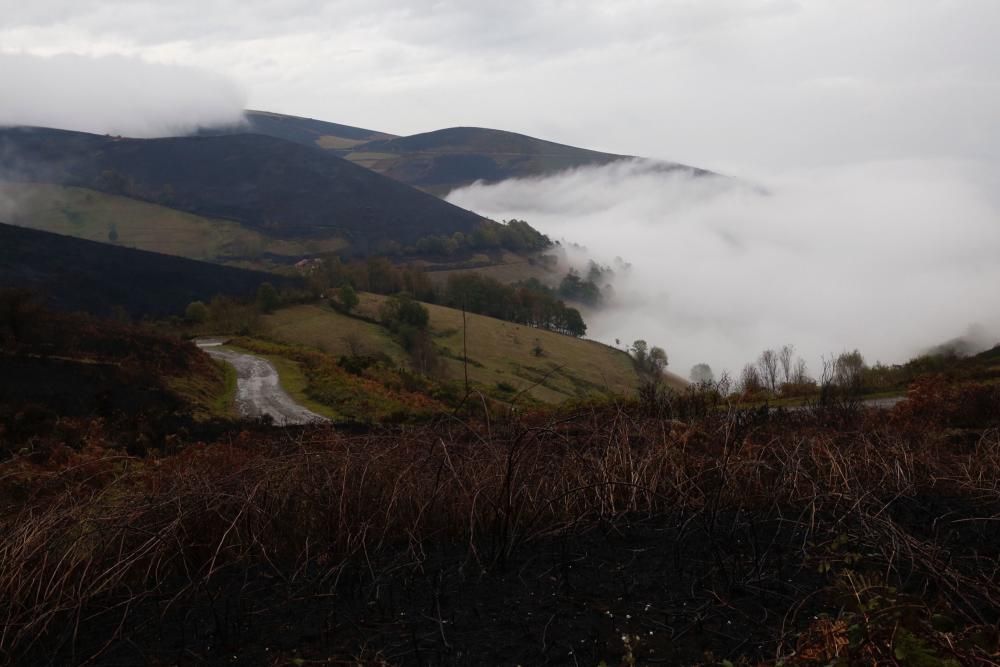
{"type": "Point", "coordinates": [672, 590]}
{"type": "Point", "coordinates": [685, 589]}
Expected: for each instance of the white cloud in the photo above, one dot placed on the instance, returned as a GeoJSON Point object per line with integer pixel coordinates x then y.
{"type": "Point", "coordinates": [887, 257]}
{"type": "Point", "coordinates": [114, 95]}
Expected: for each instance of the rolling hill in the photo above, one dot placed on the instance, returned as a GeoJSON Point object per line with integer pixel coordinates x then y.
{"type": "Point", "coordinates": [505, 359]}
{"type": "Point", "coordinates": [309, 131]}
{"type": "Point", "coordinates": [272, 186]}
{"type": "Point", "coordinates": [441, 160]}
{"type": "Point", "coordinates": [79, 275]}
{"type": "Point", "coordinates": [97, 216]}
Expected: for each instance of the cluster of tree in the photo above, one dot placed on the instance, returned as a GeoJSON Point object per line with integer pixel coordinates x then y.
{"type": "Point", "coordinates": [227, 314]}
{"type": "Point", "coordinates": [408, 320]}
{"type": "Point", "coordinates": [778, 372]}
{"type": "Point", "coordinates": [528, 302]}
{"type": "Point", "coordinates": [649, 361]}
{"type": "Point", "coordinates": [375, 274]}
{"type": "Point", "coordinates": [584, 290]}
{"type": "Point", "coordinates": [513, 235]}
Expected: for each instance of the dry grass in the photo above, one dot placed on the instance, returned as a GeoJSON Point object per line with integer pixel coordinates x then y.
{"type": "Point", "coordinates": [847, 494]}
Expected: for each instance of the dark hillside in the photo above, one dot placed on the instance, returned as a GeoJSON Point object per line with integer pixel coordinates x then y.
{"type": "Point", "coordinates": [445, 159]}
{"type": "Point", "coordinates": [305, 131]}
{"type": "Point", "coordinates": [271, 185]}
{"type": "Point", "coordinates": [78, 275]}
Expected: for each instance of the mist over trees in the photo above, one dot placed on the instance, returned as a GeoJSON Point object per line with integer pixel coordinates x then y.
{"type": "Point", "coordinates": [702, 374]}
{"type": "Point", "coordinates": [649, 361]}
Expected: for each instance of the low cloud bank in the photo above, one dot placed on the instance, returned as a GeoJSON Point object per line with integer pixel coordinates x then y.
{"type": "Point", "coordinates": [114, 95]}
{"type": "Point", "coordinates": [891, 258]}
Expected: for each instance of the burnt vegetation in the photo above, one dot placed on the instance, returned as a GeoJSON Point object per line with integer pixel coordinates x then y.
{"type": "Point", "coordinates": [76, 275]}
{"type": "Point", "coordinates": [672, 529]}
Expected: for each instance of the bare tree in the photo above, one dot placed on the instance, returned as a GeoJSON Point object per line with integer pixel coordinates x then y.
{"type": "Point", "coordinates": [750, 380]}
{"type": "Point", "coordinates": [785, 355]}
{"type": "Point", "coordinates": [725, 384]}
{"type": "Point", "coordinates": [767, 364]}
{"type": "Point", "coordinates": [800, 375]}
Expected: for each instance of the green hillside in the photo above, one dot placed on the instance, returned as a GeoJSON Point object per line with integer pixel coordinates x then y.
{"type": "Point", "coordinates": [505, 359]}
{"type": "Point", "coordinates": [96, 216]}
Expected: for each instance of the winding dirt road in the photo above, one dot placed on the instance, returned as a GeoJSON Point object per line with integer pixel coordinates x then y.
{"type": "Point", "coordinates": [258, 391]}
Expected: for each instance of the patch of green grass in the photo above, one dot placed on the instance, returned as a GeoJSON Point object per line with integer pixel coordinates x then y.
{"type": "Point", "coordinates": [504, 352]}
{"type": "Point", "coordinates": [212, 394]}
{"type": "Point", "coordinates": [328, 331]}
{"type": "Point", "coordinates": [317, 381]}
{"type": "Point", "coordinates": [293, 380]}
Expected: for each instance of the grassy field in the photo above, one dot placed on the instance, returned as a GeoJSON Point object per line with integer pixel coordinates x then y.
{"type": "Point", "coordinates": [92, 215]}
{"type": "Point", "coordinates": [505, 359]}
{"type": "Point", "coordinates": [514, 358]}
{"type": "Point", "coordinates": [328, 331]}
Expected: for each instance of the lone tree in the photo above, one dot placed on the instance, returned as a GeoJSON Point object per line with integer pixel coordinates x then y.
{"type": "Point", "coordinates": [196, 312]}
{"type": "Point", "coordinates": [267, 298]}
{"type": "Point", "coordinates": [702, 374]}
{"type": "Point", "coordinates": [767, 365]}
{"type": "Point", "coordinates": [348, 297]}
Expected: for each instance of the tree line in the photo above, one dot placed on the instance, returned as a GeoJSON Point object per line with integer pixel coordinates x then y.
{"type": "Point", "coordinates": [529, 302]}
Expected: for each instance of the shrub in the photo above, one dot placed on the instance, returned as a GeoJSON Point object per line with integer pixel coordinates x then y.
{"type": "Point", "coordinates": [196, 312]}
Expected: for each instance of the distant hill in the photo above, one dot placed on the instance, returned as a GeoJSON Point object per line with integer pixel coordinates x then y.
{"type": "Point", "coordinates": [270, 185]}
{"type": "Point", "coordinates": [442, 160]}
{"type": "Point", "coordinates": [446, 159]}
{"type": "Point", "coordinates": [78, 275]}
{"type": "Point", "coordinates": [305, 131]}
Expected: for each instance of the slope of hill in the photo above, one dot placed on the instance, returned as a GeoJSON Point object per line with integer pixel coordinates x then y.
{"type": "Point", "coordinates": [309, 131]}
{"type": "Point", "coordinates": [74, 274]}
{"type": "Point", "coordinates": [437, 161]}
{"type": "Point", "coordinates": [505, 359]}
{"type": "Point", "coordinates": [442, 160]}
{"type": "Point", "coordinates": [98, 216]}
{"type": "Point", "coordinates": [270, 185]}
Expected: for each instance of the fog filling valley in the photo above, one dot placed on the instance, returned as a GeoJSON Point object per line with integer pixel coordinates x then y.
{"type": "Point", "coordinates": [890, 258]}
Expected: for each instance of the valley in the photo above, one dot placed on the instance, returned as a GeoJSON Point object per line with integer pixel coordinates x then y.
{"type": "Point", "coordinates": [266, 398]}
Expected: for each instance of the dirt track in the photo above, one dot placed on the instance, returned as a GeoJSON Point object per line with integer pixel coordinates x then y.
{"type": "Point", "coordinates": [258, 391]}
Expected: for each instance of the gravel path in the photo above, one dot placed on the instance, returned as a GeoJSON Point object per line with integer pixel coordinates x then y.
{"type": "Point", "coordinates": [258, 391]}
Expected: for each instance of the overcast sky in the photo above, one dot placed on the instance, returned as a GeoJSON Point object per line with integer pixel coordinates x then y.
{"type": "Point", "coordinates": [738, 85]}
